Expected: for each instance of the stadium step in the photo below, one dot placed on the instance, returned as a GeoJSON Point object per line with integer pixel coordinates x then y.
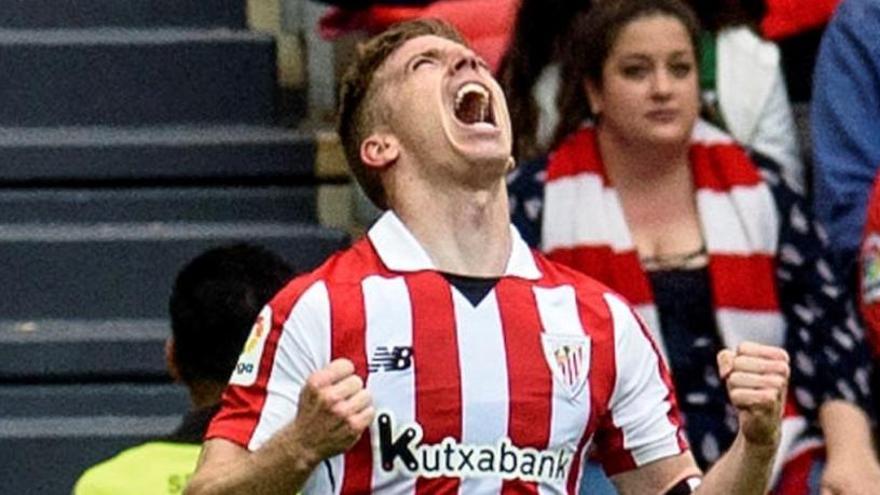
{"type": "Point", "coordinates": [77, 400]}
{"type": "Point", "coordinates": [83, 426]}
{"type": "Point", "coordinates": [112, 76]}
{"type": "Point", "coordinates": [67, 351]}
{"type": "Point", "coordinates": [125, 270]}
{"type": "Point", "coordinates": [179, 153]}
{"type": "Point", "coordinates": [42, 14]}
{"type": "Point", "coordinates": [168, 204]}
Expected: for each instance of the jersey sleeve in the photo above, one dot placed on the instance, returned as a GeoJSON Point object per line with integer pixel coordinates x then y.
{"type": "Point", "coordinates": [289, 341]}
{"type": "Point", "coordinates": [643, 422]}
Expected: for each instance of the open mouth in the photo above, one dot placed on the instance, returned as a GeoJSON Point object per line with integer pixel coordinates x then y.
{"type": "Point", "coordinates": [473, 105]}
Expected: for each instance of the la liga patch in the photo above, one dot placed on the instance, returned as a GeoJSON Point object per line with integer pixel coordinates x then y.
{"type": "Point", "coordinates": [248, 366]}
{"type": "Point", "coordinates": [870, 267]}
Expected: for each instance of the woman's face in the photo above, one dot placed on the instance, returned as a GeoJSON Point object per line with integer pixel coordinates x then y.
{"type": "Point", "coordinates": [649, 91]}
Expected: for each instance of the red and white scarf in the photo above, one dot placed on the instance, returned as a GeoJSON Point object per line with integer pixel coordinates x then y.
{"type": "Point", "coordinates": [584, 227]}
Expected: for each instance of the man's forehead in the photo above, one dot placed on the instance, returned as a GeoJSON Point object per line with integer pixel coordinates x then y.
{"type": "Point", "coordinates": [421, 44]}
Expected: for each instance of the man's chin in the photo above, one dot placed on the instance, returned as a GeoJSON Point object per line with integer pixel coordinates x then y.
{"type": "Point", "coordinates": [483, 152]}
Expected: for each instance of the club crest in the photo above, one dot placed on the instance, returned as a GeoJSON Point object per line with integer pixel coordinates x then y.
{"type": "Point", "coordinates": [569, 358]}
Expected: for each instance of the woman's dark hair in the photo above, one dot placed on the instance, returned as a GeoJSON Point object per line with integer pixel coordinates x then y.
{"type": "Point", "coordinates": [541, 27]}
{"type": "Point", "coordinates": [593, 36]}
{"type": "Point", "coordinates": [716, 15]}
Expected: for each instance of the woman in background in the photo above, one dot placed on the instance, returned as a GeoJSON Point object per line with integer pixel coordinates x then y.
{"type": "Point", "coordinates": [712, 247]}
{"type": "Point", "coordinates": [741, 79]}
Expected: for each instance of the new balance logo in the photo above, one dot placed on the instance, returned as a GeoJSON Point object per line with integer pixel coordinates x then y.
{"type": "Point", "coordinates": [398, 358]}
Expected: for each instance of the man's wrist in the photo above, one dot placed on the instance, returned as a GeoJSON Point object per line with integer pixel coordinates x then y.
{"type": "Point", "coordinates": [302, 456]}
{"type": "Point", "coordinates": [763, 450]}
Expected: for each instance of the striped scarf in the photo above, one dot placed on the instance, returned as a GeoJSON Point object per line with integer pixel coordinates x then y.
{"type": "Point", "coordinates": [584, 227]}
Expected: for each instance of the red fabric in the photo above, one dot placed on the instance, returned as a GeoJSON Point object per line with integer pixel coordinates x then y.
{"type": "Point", "coordinates": [869, 269]}
{"type": "Point", "coordinates": [795, 476]}
{"type": "Point", "coordinates": [358, 459]}
{"type": "Point", "coordinates": [786, 18]}
{"type": "Point", "coordinates": [529, 421]}
{"type": "Point", "coordinates": [438, 382]}
{"type": "Point", "coordinates": [487, 34]}
{"type": "Point", "coordinates": [718, 167]}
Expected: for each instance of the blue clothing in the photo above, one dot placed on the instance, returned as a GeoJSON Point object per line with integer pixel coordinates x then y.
{"type": "Point", "coordinates": [845, 121]}
{"type": "Point", "coordinates": [824, 339]}
{"type": "Point", "coordinates": [690, 334]}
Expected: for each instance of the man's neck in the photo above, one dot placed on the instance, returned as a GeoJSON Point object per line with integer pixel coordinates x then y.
{"type": "Point", "coordinates": [464, 232]}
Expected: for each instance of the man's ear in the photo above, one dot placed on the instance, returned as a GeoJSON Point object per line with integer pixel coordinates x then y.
{"type": "Point", "coordinates": [170, 361]}
{"type": "Point", "coordinates": [380, 150]}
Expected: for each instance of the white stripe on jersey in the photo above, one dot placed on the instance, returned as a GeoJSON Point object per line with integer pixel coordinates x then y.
{"type": "Point", "coordinates": [484, 390]}
{"type": "Point", "coordinates": [297, 357]}
{"type": "Point", "coordinates": [557, 307]}
{"type": "Point", "coordinates": [559, 315]}
{"type": "Point", "coordinates": [639, 405]}
{"type": "Point", "coordinates": [388, 319]}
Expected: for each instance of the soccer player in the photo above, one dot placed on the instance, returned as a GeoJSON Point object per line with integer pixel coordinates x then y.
{"type": "Point", "coordinates": [439, 354]}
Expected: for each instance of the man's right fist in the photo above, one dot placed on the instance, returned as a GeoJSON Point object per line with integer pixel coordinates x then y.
{"type": "Point", "coordinates": [334, 409]}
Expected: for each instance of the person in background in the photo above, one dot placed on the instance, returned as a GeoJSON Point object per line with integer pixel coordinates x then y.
{"type": "Point", "coordinates": [215, 300]}
{"type": "Point", "coordinates": [742, 84]}
{"type": "Point", "coordinates": [743, 88]}
{"type": "Point", "coordinates": [529, 72]}
{"type": "Point", "coordinates": [711, 246]}
{"type": "Point", "coordinates": [845, 122]}
{"type": "Point", "coordinates": [439, 354]}
{"type": "Point", "coordinates": [485, 24]}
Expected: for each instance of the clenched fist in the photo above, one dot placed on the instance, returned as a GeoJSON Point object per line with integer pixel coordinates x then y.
{"type": "Point", "coordinates": [757, 380]}
{"type": "Point", "coordinates": [334, 408]}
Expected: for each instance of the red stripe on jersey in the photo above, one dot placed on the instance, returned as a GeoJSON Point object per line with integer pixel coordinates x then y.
{"type": "Point", "coordinates": [742, 282]}
{"type": "Point", "coordinates": [738, 169]}
{"type": "Point", "coordinates": [241, 406]}
{"type": "Point", "coordinates": [347, 338]}
{"type": "Point", "coordinates": [437, 370]}
{"type": "Point", "coordinates": [620, 270]}
{"type": "Point", "coordinates": [530, 382]}
{"type": "Point", "coordinates": [597, 323]}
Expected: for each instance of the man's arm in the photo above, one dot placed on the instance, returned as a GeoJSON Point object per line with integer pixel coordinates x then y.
{"type": "Point", "coordinates": [851, 465]}
{"type": "Point", "coordinates": [757, 379]}
{"type": "Point", "coordinates": [334, 410]}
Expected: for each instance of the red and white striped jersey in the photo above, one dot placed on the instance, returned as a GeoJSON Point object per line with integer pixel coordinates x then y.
{"type": "Point", "coordinates": [505, 396]}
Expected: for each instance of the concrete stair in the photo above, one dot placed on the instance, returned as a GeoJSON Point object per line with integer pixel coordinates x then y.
{"type": "Point", "coordinates": [134, 134]}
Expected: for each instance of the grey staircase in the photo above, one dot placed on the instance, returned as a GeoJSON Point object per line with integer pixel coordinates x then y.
{"type": "Point", "coordinates": [134, 134]}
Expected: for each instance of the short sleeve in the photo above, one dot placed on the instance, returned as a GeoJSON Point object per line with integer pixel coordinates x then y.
{"type": "Point", "coordinates": [289, 342]}
{"type": "Point", "coordinates": [643, 422]}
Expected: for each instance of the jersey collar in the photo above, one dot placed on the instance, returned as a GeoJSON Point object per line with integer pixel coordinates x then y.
{"type": "Point", "coordinates": [401, 252]}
